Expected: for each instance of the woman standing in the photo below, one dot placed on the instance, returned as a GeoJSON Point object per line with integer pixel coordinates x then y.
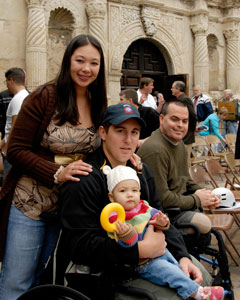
{"type": "Point", "coordinates": [56, 126]}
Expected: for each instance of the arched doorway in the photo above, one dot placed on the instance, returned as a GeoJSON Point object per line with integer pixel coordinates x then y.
{"type": "Point", "coordinates": [144, 59]}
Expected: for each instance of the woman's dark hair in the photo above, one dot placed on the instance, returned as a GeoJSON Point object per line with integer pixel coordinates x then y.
{"type": "Point", "coordinates": [66, 107]}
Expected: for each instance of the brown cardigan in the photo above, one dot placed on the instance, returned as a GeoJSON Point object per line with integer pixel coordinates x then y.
{"type": "Point", "coordinates": [25, 153]}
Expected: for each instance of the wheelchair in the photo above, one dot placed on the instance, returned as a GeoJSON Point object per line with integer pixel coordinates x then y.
{"type": "Point", "coordinates": [104, 285]}
{"type": "Point", "coordinates": [52, 292]}
{"type": "Point", "coordinates": [199, 245]}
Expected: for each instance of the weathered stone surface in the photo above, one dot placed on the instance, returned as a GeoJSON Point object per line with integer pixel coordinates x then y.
{"type": "Point", "coordinates": [200, 37]}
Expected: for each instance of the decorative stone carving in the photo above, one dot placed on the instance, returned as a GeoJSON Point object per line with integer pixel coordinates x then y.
{"type": "Point", "coordinates": [200, 27]}
{"type": "Point", "coordinates": [78, 15]}
{"type": "Point", "coordinates": [96, 8]}
{"type": "Point", "coordinates": [36, 51]}
{"type": "Point", "coordinates": [60, 33]}
{"type": "Point", "coordinates": [129, 16]}
{"type": "Point", "coordinates": [115, 22]}
{"type": "Point", "coordinates": [125, 21]}
{"type": "Point", "coordinates": [36, 32]}
{"type": "Point", "coordinates": [232, 57]}
{"type": "Point", "coordinates": [150, 12]}
{"type": "Point", "coordinates": [115, 60]}
{"type": "Point", "coordinates": [34, 2]}
{"type": "Point", "coordinates": [231, 34]}
{"type": "Point", "coordinates": [149, 26]}
{"type": "Point", "coordinates": [96, 11]}
{"type": "Point", "coordinates": [201, 59]}
{"type": "Point", "coordinates": [149, 18]}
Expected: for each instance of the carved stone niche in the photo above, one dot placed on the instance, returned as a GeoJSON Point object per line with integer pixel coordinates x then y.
{"type": "Point", "coordinates": [60, 29]}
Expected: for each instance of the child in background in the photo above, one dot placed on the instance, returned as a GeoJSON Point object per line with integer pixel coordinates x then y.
{"type": "Point", "coordinates": [124, 188]}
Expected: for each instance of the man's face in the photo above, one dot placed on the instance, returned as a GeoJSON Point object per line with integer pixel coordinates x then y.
{"type": "Point", "coordinates": [223, 117]}
{"type": "Point", "coordinates": [148, 88]}
{"type": "Point", "coordinates": [123, 99]}
{"type": "Point", "coordinates": [175, 91]}
{"type": "Point", "coordinates": [10, 84]}
{"type": "Point", "coordinates": [197, 92]}
{"type": "Point", "coordinates": [174, 125]}
{"type": "Point", "coordinates": [227, 96]}
{"type": "Point", "coordinates": [120, 142]}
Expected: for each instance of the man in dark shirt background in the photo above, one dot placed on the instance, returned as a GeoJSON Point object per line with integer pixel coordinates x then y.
{"type": "Point", "coordinates": [5, 98]}
{"type": "Point", "coordinates": [148, 114]}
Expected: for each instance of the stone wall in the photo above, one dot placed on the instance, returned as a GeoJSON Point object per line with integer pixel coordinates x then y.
{"type": "Point", "coordinates": [196, 37]}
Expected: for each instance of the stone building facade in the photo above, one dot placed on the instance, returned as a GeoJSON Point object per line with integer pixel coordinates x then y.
{"type": "Point", "coordinates": [198, 38]}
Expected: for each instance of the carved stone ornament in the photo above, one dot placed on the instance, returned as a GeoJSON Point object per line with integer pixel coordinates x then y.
{"type": "Point", "coordinates": [200, 24]}
{"type": "Point", "coordinates": [149, 26]}
{"type": "Point", "coordinates": [231, 34]}
{"type": "Point", "coordinates": [149, 18]}
{"type": "Point", "coordinates": [96, 8]}
{"type": "Point", "coordinates": [34, 2]}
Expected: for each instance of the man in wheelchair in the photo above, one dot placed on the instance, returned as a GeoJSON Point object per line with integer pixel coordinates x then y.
{"type": "Point", "coordinates": [86, 243]}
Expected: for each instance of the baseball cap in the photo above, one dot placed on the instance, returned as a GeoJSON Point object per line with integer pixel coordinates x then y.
{"type": "Point", "coordinates": [121, 112]}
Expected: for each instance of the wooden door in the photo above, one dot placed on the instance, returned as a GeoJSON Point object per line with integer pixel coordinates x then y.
{"type": "Point", "coordinates": [144, 59]}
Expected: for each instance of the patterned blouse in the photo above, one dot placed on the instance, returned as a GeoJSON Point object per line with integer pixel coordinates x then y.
{"type": "Point", "coordinates": [33, 198]}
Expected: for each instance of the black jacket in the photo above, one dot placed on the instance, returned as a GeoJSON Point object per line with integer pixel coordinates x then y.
{"type": "Point", "coordinates": [81, 204]}
{"type": "Point", "coordinates": [189, 137]}
{"type": "Point", "coordinates": [151, 118]}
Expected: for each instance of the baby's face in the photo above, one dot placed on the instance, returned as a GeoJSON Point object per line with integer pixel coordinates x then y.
{"type": "Point", "coordinates": [127, 193]}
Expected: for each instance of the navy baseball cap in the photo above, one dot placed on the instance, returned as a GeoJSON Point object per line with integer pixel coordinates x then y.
{"type": "Point", "coordinates": [119, 113]}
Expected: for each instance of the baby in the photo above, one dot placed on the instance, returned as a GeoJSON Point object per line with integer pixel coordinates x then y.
{"type": "Point", "coordinates": [124, 188]}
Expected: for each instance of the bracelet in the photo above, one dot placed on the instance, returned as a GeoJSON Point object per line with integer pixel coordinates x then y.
{"type": "Point", "coordinates": [57, 173]}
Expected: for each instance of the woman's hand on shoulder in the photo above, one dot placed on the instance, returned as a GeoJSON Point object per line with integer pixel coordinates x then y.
{"type": "Point", "coordinates": [136, 161]}
{"type": "Point", "coordinates": [78, 167]}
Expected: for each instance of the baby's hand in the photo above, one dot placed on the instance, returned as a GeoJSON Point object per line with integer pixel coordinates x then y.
{"type": "Point", "coordinates": [160, 219]}
{"type": "Point", "coordinates": [122, 228]}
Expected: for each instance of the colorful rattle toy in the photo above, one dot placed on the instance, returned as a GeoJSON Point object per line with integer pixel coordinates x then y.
{"type": "Point", "coordinates": [106, 213]}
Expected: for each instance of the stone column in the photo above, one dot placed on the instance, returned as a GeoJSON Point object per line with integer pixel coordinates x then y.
{"type": "Point", "coordinates": [232, 59]}
{"type": "Point", "coordinates": [201, 61]}
{"type": "Point", "coordinates": [36, 45]}
{"type": "Point", "coordinates": [96, 10]}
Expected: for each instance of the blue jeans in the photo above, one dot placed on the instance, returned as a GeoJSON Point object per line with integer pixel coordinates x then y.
{"type": "Point", "coordinates": [6, 166]}
{"type": "Point", "coordinates": [28, 247]}
{"type": "Point", "coordinates": [228, 127]}
{"type": "Point", "coordinates": [164, 270]}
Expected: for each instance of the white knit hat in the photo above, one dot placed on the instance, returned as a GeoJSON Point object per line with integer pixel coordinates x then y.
{"type": "Point", "coordinates": [118, 174]}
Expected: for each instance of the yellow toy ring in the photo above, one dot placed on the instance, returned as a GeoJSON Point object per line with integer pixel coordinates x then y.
{"type": "Point", "coordinates": [105, 214]}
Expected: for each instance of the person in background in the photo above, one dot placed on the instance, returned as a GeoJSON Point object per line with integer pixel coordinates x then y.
{"type": "Point", "coordinates": [213, 122]}
{"type": "Point", "coordinates": [15, 80]}
{"type": "Point", "coordinates": [144, 92]}
{"type": "Point", "coordinates": [55, 129]}
{"type": "Point", "coordinates": [148, 114]}
{"type": "Point", "coordinates": [178, 90]}
{"type": "Point", "coordinates": [124, 189]}
{"type": "Point", "coordinates": [5, 99]}
{"type": "Point", "coordinates": [230, 126]}
{"type": "Point", "coordinates": [202, 104]}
